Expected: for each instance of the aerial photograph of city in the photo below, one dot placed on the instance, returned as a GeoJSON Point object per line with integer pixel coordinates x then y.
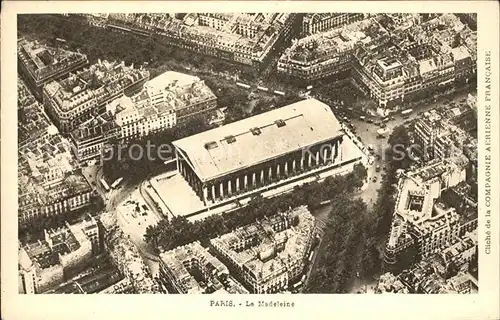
{"type": "Point", "coordinates": [247, 153]}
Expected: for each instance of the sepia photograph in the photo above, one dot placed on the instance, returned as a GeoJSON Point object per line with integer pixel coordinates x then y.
{"type": "Point", "coordinates": [200, 153]}
{"type": "Point", "coordinates": [298, 161]}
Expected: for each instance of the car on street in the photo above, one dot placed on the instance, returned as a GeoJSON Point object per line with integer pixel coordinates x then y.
{"type": "Point", "coordinates": [377, 169]}
{"type": "Point", "coordinates": [374, 179]}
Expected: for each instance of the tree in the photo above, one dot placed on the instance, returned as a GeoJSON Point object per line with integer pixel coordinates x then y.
{"type": "Point", "coordinates": [152, 235]}
{"type": "Point", "coordinates": [360, 171]}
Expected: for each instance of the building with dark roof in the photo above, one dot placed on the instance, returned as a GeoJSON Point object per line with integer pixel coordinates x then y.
{"type": "Point", "coordinates": [40, 64]}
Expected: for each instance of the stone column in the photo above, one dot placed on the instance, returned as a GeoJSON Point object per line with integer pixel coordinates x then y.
{"type": "Point", "coordinates": [339, 151]}
{"type": "Point", "coordinates": [302, 163]}
{"type": "Point", "coordinates": [278, 171]}
{"type": "Point", "coordinates": [245, 182]}
{"type": "Point", "coordinates": [237, 184]}
{"type": "Point", "coordinates": [309, 162]}
{"type": "Point", "coordinates": [205, 194]}
{"type": "Point", "coordinates": [325, 155]}
{"type": "Point", "coordinates": [318, 160]}
{"type": "Point", "coordinates": [229, 187]}
{"type": "Point", "coordinates": [270, 173]}
{"type": "Point", "coordinates": [334, 147]}
{"type": "Point", "coordinates": [221, 186]}
{"type": "Point", "coordinates": [293, 165]}
{"type": "Point", "coordinates": [254, 178]}
{"type": "Point", "coordinates": [261, 176]}
{"type": "Point", "coordinates": [286, 168]}
{"type": "Point", "coordinates": [213, 193]}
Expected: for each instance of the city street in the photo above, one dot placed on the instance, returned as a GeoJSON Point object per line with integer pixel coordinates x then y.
{"type": "Point", "coordinates": [368, 134]}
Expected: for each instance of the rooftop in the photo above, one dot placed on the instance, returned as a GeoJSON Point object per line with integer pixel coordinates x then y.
{"type": "Point", "coordinates": [253, 33]}
{"type": "Point", "coordinates": [62, 241]}
{"type": "Point", "coordinates": [391, 284]}
{"type": "Point", "coordinates": [100, 82]}
{"type": "Point", "coordinates": [180, 90]}
{"type": "Point", "coordinates": [429, 43]}
{"type": "Point", "coordinates": [99, 126]}
{"type": "Point", "coordinates": [184, 261]}
{"type": "Point", "coordinates": [417, 201]}
{"type": "Point", "coordinates": [32, 121]}
{"type": "Point", "coordinates": [33, 193]}
{"type": "Point", "coordinates": [128, 260]}
{"type": "Point", "coordinates": [324, 45]}
{"type": "Point", "coordinates": [268, 135]}
{"type": "Point", "coordinates": [269, 247]}
{"type": "Point", "coordinates": [42, 62]}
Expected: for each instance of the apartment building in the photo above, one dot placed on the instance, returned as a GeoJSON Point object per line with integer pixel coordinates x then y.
{"type": "Point", "coordinates": [48, 184]}
{"type": "Point", "coordinates": [268, 256]}
{"type": "Point", "coordinates": [39, 64]}
{"type": "Point", "coordinates": [420, 220]}
{"type": "Point", "coordinates": [33, 123]}
{"type": "Point", "coordinates": [393, 56]}
{"type": "Point", "coordinates": [427, 130]}
{"type": "Point", "coordinates": [90, 138]}
{"type": "Point", "coordinates": [126, 257]}
{"type": "Point", "coordinates": [249, 39]}
{"type": "Point", "coordinates": [323, 54]}
{"type": "Point", "coordinates": [179, 267]}
{"type": "Point", "coordinates": [313, 23]}
{"type": "Point", "coordinates": [83, 95]}
{"type": "Point", "coordinates": [62, 253]}
{"type": "Point", "coordinates": [187, 95]}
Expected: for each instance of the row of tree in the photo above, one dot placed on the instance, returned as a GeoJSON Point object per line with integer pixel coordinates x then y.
{"type": "Point", "coordinates": [378, 224]}
{"type": "Point", "coordinates": [343, 236]}
{"type": "Point", "coordinates": [98, 43]}
{"type": "Point", "coordinates": [178, 231]}
{"type": "Point", "coordinates": [355, 236]}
